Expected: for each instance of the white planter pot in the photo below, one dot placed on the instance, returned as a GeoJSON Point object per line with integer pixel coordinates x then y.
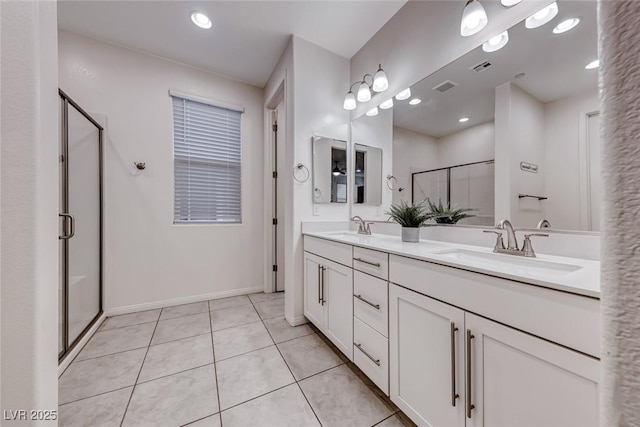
{"type": "Point", "coordinates": [411, 234]}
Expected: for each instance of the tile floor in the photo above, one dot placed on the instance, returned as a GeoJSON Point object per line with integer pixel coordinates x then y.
{"type": "Point", "coordinates": [232, 362]}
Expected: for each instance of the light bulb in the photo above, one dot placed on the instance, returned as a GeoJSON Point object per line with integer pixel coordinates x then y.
{"type": "Point", "coordinates": [201, 20]}
{"type": "Point", "coordinates": [349, 102]}
{"type": "Point", "coordinates": [592, 65]}
{"type": "Point", "coordinates": [542, 16]}
{"type": "Point", "coordinates": [380, 81]}
{"type": "Point", "coordinates": [387, 104]}
{"type": "Point", "coordinates": [474, 18]}
{"type": "Point", "coordinates": [372, 112]}
{"type": "Point", "coordinates": [364, 92]}
{"type": "Point", "coordinates": [496, 43]}
{"type": "Point", "coordinates": [415, 101]}
{"type": "Point", "coordinates": [566, 25]}
{"type": "Point", "coordinates": [509, 3]}
{"type": "Point", "coordinates": [405, 94]}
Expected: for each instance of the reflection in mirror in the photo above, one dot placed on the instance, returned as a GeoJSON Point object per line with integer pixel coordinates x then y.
{"type": "Point", "coordinates": [329, 170]}
{"type": "Point", "coordinates": [368, 175]}
{"type": "Point", "coordinates": [532, 106]}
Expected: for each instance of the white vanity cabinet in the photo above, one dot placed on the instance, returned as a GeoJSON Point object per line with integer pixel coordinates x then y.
{"type": "Point", "coordinates": [328, 295]}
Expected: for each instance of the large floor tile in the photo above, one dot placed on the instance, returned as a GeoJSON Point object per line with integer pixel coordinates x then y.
{"type": "Point", "coordinates": [308, 355]}
{"type": "Point", "coordinates": [105, 410]}
{"type": "Point", "coordinates": [397, 420]}
{"type": "Point", "coordinates": [94, 376]}
{"type": "Point", "coordinates": [216, 304]}
{"type": "Point", "coordinates": [240, 339]}
{"type": "Point", "coordinates": [130, 319]}
{"type": "Point", "coordinates": [181, 327]}
{"type": "Point", "coordinates": [117, 340]}
{"type": "Point", "coordinates": [261, 296]}
{"type": "Point", "coordinates": [233, 316]}
{"type": "Point", "coordinates": [285, 407]}
{"type": "Point", "coordinates": [184, 310]}
{"type": "Point", "coordinates": [176, 356]}
{"type": "Point", "coordinates": [339, 398]}
{"type": "Point", "coordinates": [175, 400]}
{"type": "Point", "coordinates": [251, 375]}
{"type": "Point", "coordinates": [270, 309]}
{"type": "Point", "coordinates": [280, 329]}
{"type": "Point", "coordinates": [212, 421]}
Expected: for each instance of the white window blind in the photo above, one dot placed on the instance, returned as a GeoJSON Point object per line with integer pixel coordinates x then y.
{"type": "Point", "coordinates": [207, 162]}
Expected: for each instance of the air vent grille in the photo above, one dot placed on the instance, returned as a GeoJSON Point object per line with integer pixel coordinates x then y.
{"type": "Point", "coordinates": [481, 66]}
{"type": "Point", "coordinates": [445, 86]}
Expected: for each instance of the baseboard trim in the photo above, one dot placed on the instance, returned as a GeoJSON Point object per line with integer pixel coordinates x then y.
{"type": "Point", "coordinates": [296, 321]}
{"type": "Point", "coordinates": [178, 301]}
{"type": "Point", "coordinates": [64, 363]}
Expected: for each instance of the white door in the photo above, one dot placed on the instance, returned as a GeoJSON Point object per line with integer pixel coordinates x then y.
{"type": "Point", "coordinates": [313, 306]}
{"type": "Point", "coordinates": [337, 291]}
{"type": "Point", "coordinates": [595, 175]}
{"type": "Point", "coordinates": [426, 357]}
{"type": "Point", "coordinates": [519, 380]}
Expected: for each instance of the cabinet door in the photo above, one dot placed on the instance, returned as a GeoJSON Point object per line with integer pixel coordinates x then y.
{"type": "Point", "coordinates": [520, 380]}
{"type": "Point", "coordinates": [426, 358]}
{"type": "Point", "coordinates": [337, 288]}
{"type": "Point", "coordinates": [313, 305]}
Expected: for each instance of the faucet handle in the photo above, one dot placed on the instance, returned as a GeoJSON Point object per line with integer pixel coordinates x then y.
{"type": "Point", "coordinates": [499, 242]}
{"type": "Point", "coordinates": [527, 248]}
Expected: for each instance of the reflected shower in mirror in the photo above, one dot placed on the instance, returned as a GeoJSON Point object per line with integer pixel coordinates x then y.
{"type": "Point", "coordinates": [329, 170]}
{"type": "Point", "coordinates": [368, 175]}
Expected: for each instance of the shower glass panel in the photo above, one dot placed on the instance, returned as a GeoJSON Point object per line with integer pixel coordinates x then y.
{"type": "Point", "coordinates": [432, 185]}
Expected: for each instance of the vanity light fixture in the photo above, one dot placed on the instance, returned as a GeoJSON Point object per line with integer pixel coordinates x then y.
{"type": "Point", "coordinates": [379, 83]}
{"type": "Point", "coordinates": [373, 112]}
{"type": "Point", "coordinates": [415, 101]}
{"type": "Point", "coordinates": [349, 101]}
{"type": "Point", "coordinates": [405, 94]}
{"type": "Point", "coordinates": [542, 16]}
{"type": "Point", "coordinates": [496, 43]}
{"type": "Point", "coordinates": [593, 64]}
{"type": "Point", "coordinates": [463, 119]}
{"type": "Point", "coordinates": [201, 20]}
{"type": "Point", "coordinates": [566, 25]}
{"type": "Point", "coordinates": [509, 3]}
{"type": "Point", "coordinates": [474, 18]}
{"type": "Point", "coordinates": [387, 104]}
{"type": "Point", "coordinates": [364, 92]}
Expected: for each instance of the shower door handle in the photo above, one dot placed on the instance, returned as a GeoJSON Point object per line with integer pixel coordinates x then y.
{"type": "Point", "coordinates": [72, 226]}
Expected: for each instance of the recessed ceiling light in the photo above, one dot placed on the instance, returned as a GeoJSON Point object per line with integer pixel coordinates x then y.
{"type": "Point", "coordinates": [496, 43]}
{"type": "Point", "coordinates": [415, 101]}
{"type": "Point", "coordinates": [566, 25]}
{"type": "Point", "coordinates": [542, 16]}
{"type": "Point", "coordinates": [593, 64]}
{"type": "Point", "coordinates": [463, 119]}
{"type": "Point", "coordinates": [372, 112]}
{"type": "Point", "coordinates": [519, 75]}
{"type": "Point", "coordinates": [201, 20]}
{"type": "Point", "coordinates": [387, 104]}
{"type": "Point", "coordinates": [509, 3]}
{"type": "Point", "coordinates": [405, 94]}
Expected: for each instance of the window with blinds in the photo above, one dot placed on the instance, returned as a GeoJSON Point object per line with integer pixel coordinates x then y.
{"type": "Point", "coordinates": [207, 162]}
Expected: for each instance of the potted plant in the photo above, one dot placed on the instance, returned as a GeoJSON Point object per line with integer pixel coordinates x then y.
{"type": "Point", "coordinates": [411, 216]}
{"type": "Point", "coordinates": [445, 215]}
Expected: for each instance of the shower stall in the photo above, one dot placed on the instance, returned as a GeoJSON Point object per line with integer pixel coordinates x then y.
{"type": "Point", "coordinates": [80, 226]}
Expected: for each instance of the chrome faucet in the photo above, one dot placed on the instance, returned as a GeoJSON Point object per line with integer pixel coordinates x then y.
{"type": "Point", "coordinates": [363, 227]}
{"type": "Point", "coordinates": [512, 242]}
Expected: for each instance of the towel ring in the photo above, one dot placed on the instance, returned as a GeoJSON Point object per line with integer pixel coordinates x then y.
{"type": "Point", "coordinates": [392, 182]}
{"type": "Point", "coordinates": [298, 167]}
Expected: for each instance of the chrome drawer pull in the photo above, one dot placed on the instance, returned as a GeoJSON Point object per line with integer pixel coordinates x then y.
{"type": "Point", "coordinates": [376, 306]}
{"type": "Point", "coordinates": [375, 264]}
{"type": "Point", "coordinates": [374, 360]}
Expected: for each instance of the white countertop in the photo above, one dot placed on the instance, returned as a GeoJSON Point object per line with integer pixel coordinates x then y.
{"type": "Point", "coordinates": [574, 275]}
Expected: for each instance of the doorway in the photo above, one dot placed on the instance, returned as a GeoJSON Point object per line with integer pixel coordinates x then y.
{"type": "Point", "coordinates": [278, 132]}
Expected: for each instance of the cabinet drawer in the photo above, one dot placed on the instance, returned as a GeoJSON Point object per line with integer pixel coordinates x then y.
{"type": "Point", "coordinates": [334, 251]}
{"type": "Point", "coordinates": [369, 292]}
{"type": "Point", "coordinates": [371, 354]}
{"type": "Point", "coordinates": [372, 262]}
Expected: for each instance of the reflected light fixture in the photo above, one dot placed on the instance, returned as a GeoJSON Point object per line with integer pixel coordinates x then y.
{"type": "Point", "coordinates": [566, 25]}
{"type": "Point", "coordinates": [542, 16]}
{"type": "Point", "coordinates": [372, 112]}
{"type": "Point", "coordinates": [405, 94]}
{"type": "Point", "coordinates": [415, 101]}
{"type": "Point", "coordinates": [379, 83]}
{"type": "Point", "coordinates": [387, 104]}
{"type": "Point", "coordinates": [496, 43]}
{"type": "Point", "coordinates": [463, 119]}
{"type": "Point", "coordinates": [593, 64]}
{"type": "Point", "coordinates": [201, 20]}
{"type": "Point", "coordinates": [474, 18]}
{"type": "Point", "coordinates": [509, 3]}
{"type": "Point", "coordinates": [336, 170]}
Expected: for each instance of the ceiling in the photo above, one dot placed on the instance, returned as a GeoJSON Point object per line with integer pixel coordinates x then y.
{"type": "Point", "coordinates": [553, 65]}
{"type": "Point", "coordinates": [247, 37]}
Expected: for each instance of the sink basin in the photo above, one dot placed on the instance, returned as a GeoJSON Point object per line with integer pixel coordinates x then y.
{"type": "Point", "coordinates": [509, 263]}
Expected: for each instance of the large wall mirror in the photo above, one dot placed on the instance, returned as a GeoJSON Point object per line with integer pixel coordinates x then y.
{"type": "Point", "coordinates": [512, 133]}
{"type": "Point", "coordinates": [329, 170]}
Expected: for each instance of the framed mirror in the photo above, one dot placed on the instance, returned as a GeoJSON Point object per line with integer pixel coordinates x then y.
{"type": "Point", "coordinates": [329, 170]}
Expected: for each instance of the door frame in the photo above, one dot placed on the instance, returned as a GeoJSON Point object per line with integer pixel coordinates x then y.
{"type": "Point", "coordinates": [585, 181]}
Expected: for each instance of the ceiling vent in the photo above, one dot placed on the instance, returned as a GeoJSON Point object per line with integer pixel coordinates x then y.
{"type": "Point", "coordinates": [445, 86]}
{"type": "Point", "coordinates": [481, 66]}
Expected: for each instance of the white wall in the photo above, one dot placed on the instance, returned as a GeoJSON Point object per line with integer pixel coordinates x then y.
{"type": "Point", "coordinates": [412, 152]}
{"type": "Point", "coordinates": [474, 144]}
{"type": "Point", "coordinates": [29, 209]}
{"type": "Point", "coordinates": [147, 258]}
{"type": "Point", "coordinates": [563, 182]}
